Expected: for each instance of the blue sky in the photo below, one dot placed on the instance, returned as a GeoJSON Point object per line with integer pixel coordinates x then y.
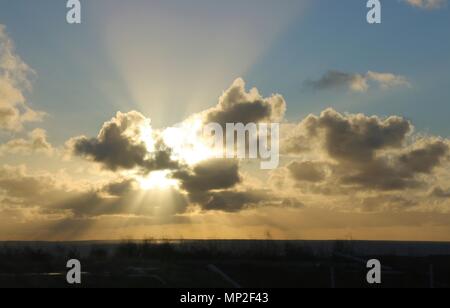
{"type": "Point", "coordinates": [81, 76]}
{"type": "Point", "coordinates": [410, 42]}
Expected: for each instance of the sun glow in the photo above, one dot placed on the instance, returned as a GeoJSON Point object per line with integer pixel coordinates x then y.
{"type": "Point", "coordinates": [187, 143]}
{"type": "Point", "coordinates": [146, 135]}
{"type": "Point", "coordinates": [158, 180]}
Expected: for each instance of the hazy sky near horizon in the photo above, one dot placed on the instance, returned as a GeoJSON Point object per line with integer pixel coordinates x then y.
{"type": "Point", "coordinates": [364, 112]}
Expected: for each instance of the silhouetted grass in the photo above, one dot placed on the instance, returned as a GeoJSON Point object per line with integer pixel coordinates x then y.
{"type": "Point", "coordinates": [161, 263]}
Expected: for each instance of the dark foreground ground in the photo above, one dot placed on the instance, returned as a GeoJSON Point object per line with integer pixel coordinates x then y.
{"type": "Point", "coordinates": [225, 264]}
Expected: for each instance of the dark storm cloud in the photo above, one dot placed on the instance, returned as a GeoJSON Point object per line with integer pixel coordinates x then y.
{"type": "Point", "coordinates": [238, 106]}
{"type": "Point", "coordinates": [119, 146]}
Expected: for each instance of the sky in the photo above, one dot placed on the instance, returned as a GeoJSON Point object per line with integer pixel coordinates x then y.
{"type": "Point", "coordinates": [99, 121]}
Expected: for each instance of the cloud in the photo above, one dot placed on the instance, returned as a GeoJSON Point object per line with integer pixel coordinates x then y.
{"type": "Point", "coordinates": [119, 188]}
{"type": "Point", "coordinates": [124, 197]}
{"type": "Point", "coordinates": [337, 80]}
{"type": "Point", "coordinates": [402, 171]}
{"type": "Point", "coordinates": [338, 164]}
{"type": "Point", "coordinates": [241, 199]}
{"type": "Point", "coordinates": [52, 197]}
{"type": "Point", "coordinates": [292, 203]}
{"type": "Point", "coordinates": [362, 152]}
{"type": "Point", "coordinates": [353, 153]}
{"type": "Point", "coordinates": [234, 200]}
{"type": "Point", "coordinates": [307, 171]}
{"type": "Point", "coordinates": [125, 142]}
{"type": "Point", "coordinates": [49, 196]}
{"type": "Point", "coordinates": [357, 137]}
{"type": "Point", "coordinates": [427, 4]}
{"type": "Point", "coordinates": [20, 188]}
{"type": "Point", "coordinates": [356, 82]}
{"type": "Point", "coordinates": [210, 175]}
{"type": "Point", "coordinates": [209, 181]}
{"type": "Point", "coordinates": [14, 82]}
{"type": "Point", "coordinates": [439, 192]}
{"type": "Point", "coordinates": [36, 142]}
{"type": "Point", "coordinates": [388, 80]}
{"type": "Point", "coordinates": [217, 185]}
{"type": "Point", "coordinates": [403, 168]}
{"type": "Point", "coordinates": [237, 105]}
{"type": "Point", "coordinates": [387, 203]}
{"type": "Point", "coordinates": [424, 156]}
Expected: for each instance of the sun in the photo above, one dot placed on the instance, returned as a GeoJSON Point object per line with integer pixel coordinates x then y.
{"type": "Point", "coordinates": [158, 180]}
{"type": "Point", "coordinates": [185, 140]}
{"type": "Point", "coordinates": [187, 143]}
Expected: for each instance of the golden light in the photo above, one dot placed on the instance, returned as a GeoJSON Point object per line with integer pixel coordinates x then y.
{"type": "Point", "coordinates": [187, 144]}
{"type": "Point", "coordinates": [186, 141]}
{"type": "Point", "coordinates": [146, 134]}
{"type": "Point", "coordinates": [159, 180]}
